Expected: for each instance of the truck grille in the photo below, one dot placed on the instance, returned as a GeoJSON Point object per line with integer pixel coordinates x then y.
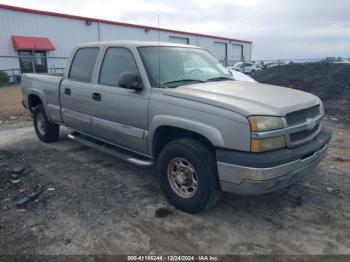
{"type": "Point", "coordinates": [299, 136]}
{"type": "Point", "coordinates": [300, 117]}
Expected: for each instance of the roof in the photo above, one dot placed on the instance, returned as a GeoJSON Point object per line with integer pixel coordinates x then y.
{"type": "Point", "coordinates": [39, 12]}
{"type": "Point", "coordinates": [28, 43]}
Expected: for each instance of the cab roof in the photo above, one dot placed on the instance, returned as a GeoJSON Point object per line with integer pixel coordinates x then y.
{"type": "Point", "coordinates": [132, 43]}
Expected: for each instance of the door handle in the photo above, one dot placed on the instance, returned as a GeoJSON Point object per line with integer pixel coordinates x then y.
{"type": "Point", "coordinates": [67, 91]}
{"type": "Point", "coordinates": [96, 96]}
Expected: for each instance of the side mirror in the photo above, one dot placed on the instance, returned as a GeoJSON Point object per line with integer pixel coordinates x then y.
{"type": "Point", "coordinates": [130, 80]}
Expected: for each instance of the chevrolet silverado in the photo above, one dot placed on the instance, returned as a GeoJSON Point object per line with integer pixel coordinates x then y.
{"type": "Point", "coordinates": [175, 106]}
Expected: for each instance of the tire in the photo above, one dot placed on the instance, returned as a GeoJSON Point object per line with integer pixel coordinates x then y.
{"type": "Point", "coordinates": [46, 131]}
{"type": "Point", "coordinates": [199, 157]}
{"type": "Point", "coordinates": [252, 72]}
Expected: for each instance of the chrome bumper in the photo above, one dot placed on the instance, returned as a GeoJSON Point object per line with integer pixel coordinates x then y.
{"type": "Point", "coordinates": [252, 181]}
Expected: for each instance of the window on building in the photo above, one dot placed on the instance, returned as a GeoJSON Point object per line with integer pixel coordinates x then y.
{"type": "Point", "coordinates": [83, 64]}
{"type": "Point", "coordinates": [179, 40]}
{"type": "Point", "coordinates": [117, 61]}
{"type": "Point", "coordinates": [32, 62]}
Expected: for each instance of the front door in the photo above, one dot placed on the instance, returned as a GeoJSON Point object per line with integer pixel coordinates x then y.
{"type": "Point", "coordinates": [120, 115]}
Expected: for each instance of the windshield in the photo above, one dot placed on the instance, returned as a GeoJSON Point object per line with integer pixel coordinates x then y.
{"type": "Point", "coordinates": [180, 66]}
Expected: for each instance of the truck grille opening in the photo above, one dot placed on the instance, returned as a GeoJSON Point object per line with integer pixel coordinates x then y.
{"type": "Point", "coordinates": [300, 116]}
{"type": "Point", "coordinates": [299, 136]}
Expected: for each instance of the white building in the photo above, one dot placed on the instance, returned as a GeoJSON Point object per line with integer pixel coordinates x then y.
{"type": "Point", "coordinates": [52, 36]}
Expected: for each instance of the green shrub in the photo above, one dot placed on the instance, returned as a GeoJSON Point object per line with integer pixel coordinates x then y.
{"type": "Point", "coordinates": [4, 78]}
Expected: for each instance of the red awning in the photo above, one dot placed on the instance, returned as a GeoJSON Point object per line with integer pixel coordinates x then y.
{"type": "Point", "coordinates": [29, 43]}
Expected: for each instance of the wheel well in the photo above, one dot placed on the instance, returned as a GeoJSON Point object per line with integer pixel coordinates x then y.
{"type": "Point", "coordinates": [166, 134]}
{"type": "Point", "coordinates": [33, 100]}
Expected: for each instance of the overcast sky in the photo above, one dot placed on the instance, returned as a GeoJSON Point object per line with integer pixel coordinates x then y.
{"type": "Point", "coordinates": [279, 28]}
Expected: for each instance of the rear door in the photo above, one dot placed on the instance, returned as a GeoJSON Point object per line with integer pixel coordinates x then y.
{"type": "Point", "coordinates": [120, 115]}
{"type": "Point", "coordinates": [76, 90]}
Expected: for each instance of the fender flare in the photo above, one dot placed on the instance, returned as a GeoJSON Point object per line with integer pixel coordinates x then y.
{"type": "Point", "coordinates": [40, 94]}
{"type": "Point", "coordinates": [209, 132]}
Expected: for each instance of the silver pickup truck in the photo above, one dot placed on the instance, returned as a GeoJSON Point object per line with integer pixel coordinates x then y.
{"type": "Point", "coordinates": [177, 107]}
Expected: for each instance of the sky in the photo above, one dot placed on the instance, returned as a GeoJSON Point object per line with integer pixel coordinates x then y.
{"type": "Point", "coordinates": [279, 29]}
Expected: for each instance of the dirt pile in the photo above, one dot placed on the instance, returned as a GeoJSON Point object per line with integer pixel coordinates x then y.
{"type": "Point", "coordinates": [330, 82]}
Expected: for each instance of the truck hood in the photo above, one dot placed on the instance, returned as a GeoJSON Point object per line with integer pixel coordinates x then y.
{"type": "Point", "coordinates": [246, 98]}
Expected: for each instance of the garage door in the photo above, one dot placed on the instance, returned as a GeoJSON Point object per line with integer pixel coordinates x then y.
{"type": "Point", "coordinates": [220, 51]}
{"type": "Point", "coordinates": [236, 53]}
{"type": "Point", "coordinates": [179, 40]}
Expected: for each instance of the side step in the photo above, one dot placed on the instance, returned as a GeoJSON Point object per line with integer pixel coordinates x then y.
{"type": "Point", "coordinates": [110, 149]}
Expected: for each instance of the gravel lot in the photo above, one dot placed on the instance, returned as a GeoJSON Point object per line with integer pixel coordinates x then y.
{"type": "Point", "coordinates": [11, 109]}
{"type": "Point", "coordinates": [97, 204]}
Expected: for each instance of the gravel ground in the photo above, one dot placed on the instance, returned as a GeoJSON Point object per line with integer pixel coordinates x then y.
{"type": "Point", "coordinates": [95, 204]}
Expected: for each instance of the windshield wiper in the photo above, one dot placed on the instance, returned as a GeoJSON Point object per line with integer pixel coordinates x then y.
{"type": "Point", "coordinates": [220, 78]}
{"type": "Point", "coordinates": [182, 80]}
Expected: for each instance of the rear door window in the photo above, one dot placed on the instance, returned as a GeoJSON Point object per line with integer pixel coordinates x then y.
{"type": "Point", "coordinates": [83, 64]}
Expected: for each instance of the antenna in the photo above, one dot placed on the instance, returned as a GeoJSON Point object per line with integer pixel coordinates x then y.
{"type": "Point", "coordinates": [158, 55]}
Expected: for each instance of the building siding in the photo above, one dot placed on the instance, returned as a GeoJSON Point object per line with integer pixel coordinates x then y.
{"type": "Point", "coordinates": [65, 33]}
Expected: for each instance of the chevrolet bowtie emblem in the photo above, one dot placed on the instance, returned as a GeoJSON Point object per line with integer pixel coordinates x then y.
{"type": "Point", "coordinates": [310, 123]}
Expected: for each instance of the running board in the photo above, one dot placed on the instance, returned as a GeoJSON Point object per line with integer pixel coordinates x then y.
{"type": "Point", "coordinates": [110, 149]}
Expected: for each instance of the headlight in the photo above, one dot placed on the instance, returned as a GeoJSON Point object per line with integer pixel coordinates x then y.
{"type": "Point", "coordinates": [268, 144]}
{"type": "Point", "coordinates": [264, 123]}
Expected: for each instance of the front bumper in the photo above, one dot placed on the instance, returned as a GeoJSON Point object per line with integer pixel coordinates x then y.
{"type": "Point", "coordinates": [250, 173]}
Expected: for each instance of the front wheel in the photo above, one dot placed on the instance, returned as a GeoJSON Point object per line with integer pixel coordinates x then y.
{"type": "Point", "coordinates": [188, 175]}
{"type": "Point", "coordinates": [46, 131]}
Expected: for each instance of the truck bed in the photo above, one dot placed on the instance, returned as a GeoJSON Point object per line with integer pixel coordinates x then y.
{"type": "Point", "coordinates": [47, 88]}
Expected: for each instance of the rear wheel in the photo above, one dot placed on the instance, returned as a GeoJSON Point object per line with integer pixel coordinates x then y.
{"type": "Point", "coordinates": [46, 131]}
{"type": "Point", "coordinates": [188, 175]}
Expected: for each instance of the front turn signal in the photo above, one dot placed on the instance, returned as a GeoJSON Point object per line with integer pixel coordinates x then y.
{"type": "Point", "coordinates": [268, 144]}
